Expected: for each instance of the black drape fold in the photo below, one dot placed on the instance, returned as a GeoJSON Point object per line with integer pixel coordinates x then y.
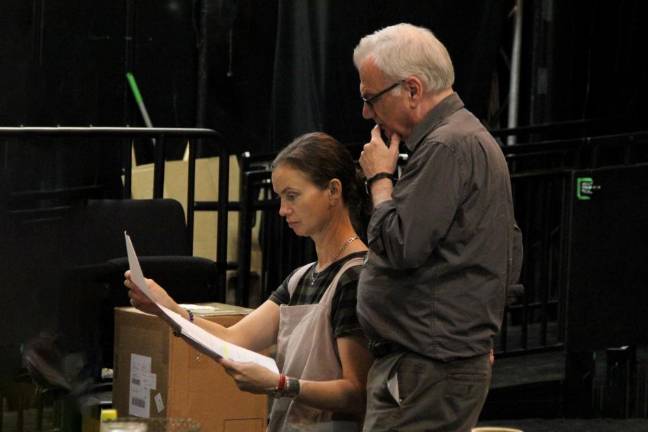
{"type": "Point", "coordinates": [315, 85]}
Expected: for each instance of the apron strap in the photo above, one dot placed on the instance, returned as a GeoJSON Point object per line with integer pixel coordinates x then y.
{"type": "Point", "coordinates": [330, 290]}
{"type": "Point", "coordinates": [296, 277]}
{"type": "Point", "coordinates": [299, 273]}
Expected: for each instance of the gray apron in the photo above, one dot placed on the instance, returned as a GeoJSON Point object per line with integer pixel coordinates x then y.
{"type": "Point", "coordinates": [306, 349]}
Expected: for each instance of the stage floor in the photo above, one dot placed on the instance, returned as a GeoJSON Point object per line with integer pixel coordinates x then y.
{"type": "Point", "coordinates": [573, 425]}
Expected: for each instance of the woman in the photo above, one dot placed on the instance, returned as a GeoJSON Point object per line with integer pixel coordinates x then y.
{"type": "Point", "coordinates": [321, 351]}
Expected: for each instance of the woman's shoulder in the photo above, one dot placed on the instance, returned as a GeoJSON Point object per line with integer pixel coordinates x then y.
{"type": "Point", "coordinates": [282, 294]}
{"type": "Point", "coordinates": [351, 274]}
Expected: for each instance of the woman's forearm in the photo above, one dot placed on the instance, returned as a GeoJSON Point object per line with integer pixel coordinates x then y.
{"type": "Point", "coordinates": [340, 395]}
{"type": "Point", "coordinates": [256, 331]}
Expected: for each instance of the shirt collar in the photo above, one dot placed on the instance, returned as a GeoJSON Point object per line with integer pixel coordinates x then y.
{"type": "Point", "coordinates": [433, 119]}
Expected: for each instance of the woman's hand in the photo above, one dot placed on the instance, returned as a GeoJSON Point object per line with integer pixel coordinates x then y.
{"type": "Point", "coordinates": [142, 302]}
{"type": "Point", "coordinates": [251, 377]}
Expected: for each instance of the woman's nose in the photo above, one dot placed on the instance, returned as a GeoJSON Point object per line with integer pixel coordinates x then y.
{"type": "Point", "coordinates": [283, 209]}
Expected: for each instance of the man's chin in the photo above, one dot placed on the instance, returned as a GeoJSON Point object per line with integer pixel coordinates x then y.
{"type": "Point", "coordinates": [386, 133]}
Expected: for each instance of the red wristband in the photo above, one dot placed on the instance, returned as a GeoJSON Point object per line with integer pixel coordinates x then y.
{"type": "Point", "coordinates": [281, 385]}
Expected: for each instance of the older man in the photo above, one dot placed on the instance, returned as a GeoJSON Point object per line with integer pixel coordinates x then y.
{"type": "Point", "coordinates": [432, 294]}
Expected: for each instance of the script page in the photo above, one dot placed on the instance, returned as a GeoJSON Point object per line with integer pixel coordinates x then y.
{"type": "Point", "coordinates": [208, 343]}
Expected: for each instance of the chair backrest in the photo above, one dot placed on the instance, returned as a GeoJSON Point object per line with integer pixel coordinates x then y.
{"type": "Point", "coordinates": [92, 283]}
{"type": "Point", "coordinates": [157, 227]}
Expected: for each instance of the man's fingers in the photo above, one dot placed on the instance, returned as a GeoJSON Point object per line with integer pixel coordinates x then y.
{"type": "Point", "coordinates": [375, 132]}
{"type": "Point", "coordinates": [394, 145]}
{"type": "Point", "coordinates": [394, 141]}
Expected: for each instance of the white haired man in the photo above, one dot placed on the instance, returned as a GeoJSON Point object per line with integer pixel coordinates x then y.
{"type": "Point", "coordinates": [441, 239]}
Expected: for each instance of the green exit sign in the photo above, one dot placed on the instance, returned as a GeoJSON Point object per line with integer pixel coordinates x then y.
{"type": "Point", "coordinates": [585, 188]}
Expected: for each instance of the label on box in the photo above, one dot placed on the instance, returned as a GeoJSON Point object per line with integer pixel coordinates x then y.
{"type": "Point", "coordinates": [142, 381]}
{"type": "Point", "coordinates": [159, 403]}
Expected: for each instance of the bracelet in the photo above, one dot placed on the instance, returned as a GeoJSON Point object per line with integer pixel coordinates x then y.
{"type": "Point", "coordinates": [373, 178]}
{"type": "Point", "coordinates": [191, 319]}
{"type": "Point", "coordinates": [286, 387]}
{"type": "Point", "coordinates": [278, 391]}
{"type": "Point", "coordinates": [281, 385]}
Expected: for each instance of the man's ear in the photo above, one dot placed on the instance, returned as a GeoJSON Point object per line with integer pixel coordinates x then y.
{"type": "Point", "coordinates": [414, 88]}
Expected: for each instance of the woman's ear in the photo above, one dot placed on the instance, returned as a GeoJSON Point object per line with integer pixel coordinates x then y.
{"type": "Point", "coordinates": [335, 190]}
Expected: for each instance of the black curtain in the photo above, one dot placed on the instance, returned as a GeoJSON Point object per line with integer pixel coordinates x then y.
{"type": "Point", "coordinates": [585, 63]}
{"type": "Point", "coordinates": [315, 85]}
{"type": "Point", "coordinates": [237, 41]}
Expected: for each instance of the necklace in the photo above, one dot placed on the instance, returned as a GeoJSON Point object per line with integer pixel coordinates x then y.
{"type": "Point", "coordinates": [347, 242]}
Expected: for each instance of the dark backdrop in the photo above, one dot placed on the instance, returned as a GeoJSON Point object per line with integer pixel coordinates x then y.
{"type": "Point", "coordinates": [316, 85]}
{"type": "Point", "coordinates": [585, 61]}
{"type": "Point", "coordinates": [264, 71]}
{"type": "Point", "coordinates": [261, 72]}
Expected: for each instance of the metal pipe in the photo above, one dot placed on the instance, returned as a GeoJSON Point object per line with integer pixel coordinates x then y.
{"type": "Point", "coordinates": [223, 212]}
{"type": "Point", "coordinates": [514, 82]}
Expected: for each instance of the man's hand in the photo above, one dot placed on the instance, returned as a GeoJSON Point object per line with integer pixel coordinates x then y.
{"type": "Point", "coordinates": [251, 377]}
{"type": "Point", "coordinates": [376, 157]}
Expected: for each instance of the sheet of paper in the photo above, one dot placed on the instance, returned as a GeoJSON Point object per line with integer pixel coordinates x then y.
{"type": "Point", "coordinates": [211, 344]}
{"type": "Point", "coordinates": [216, 346]}
{"type": "Point", "coordinates": [136, 271]}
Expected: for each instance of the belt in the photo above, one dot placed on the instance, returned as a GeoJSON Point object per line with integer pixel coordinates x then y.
{"type": "Point", "coordinates": [383, 348]}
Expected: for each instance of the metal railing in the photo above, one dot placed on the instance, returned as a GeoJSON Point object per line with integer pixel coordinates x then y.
{"type": "Point", "coordinates": [540, 175]}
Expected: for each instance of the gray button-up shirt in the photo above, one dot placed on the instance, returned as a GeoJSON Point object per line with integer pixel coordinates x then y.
{"type": "Point", "coordinates": [440, 250]}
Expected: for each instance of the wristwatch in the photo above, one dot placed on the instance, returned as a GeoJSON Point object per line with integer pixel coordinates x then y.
{"type": "Point", "coordinates": [292, 388]}
{"type": "Point", "coordinates": [373, 178]}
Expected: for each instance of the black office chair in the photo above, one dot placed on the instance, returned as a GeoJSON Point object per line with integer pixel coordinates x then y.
{"type": "Point", "coordinates": [93, 282]}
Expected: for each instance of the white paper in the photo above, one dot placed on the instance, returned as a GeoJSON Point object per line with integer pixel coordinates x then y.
{"type": "Point", "coordinates": [212, 345]}
{"type": "Point", "coordinates": [216, 346]}
{"type": "Point", "coordinates": [136, 271]}
{"type": "Point", "coordinates": [200, 308]}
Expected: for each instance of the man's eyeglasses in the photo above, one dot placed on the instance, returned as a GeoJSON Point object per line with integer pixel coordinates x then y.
{"type": "Point", "coordinates": [372, 99]}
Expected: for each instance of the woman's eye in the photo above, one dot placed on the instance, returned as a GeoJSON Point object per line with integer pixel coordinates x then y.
{"type": "Point", "coordinates": [291, 196]}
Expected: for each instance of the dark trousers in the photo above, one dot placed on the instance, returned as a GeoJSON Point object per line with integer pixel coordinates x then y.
{"type": "Point", "coordinates": [433, 396]}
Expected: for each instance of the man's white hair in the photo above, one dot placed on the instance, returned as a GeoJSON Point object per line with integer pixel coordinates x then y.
{"type": "Point", "coordinates": [403, 50]}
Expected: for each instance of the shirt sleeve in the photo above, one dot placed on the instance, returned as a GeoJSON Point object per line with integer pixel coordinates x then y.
{"type": "Point", "coordinates": [406, 229]}
{"type": "Point", "coordinates": [281, 295]}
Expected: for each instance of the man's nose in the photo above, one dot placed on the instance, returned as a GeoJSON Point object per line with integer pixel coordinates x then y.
{"type": "Point", "coordinates": [367, 111]}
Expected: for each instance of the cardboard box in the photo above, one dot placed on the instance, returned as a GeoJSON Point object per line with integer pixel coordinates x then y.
{"type": "Point", "coordinates": [159, 375]}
